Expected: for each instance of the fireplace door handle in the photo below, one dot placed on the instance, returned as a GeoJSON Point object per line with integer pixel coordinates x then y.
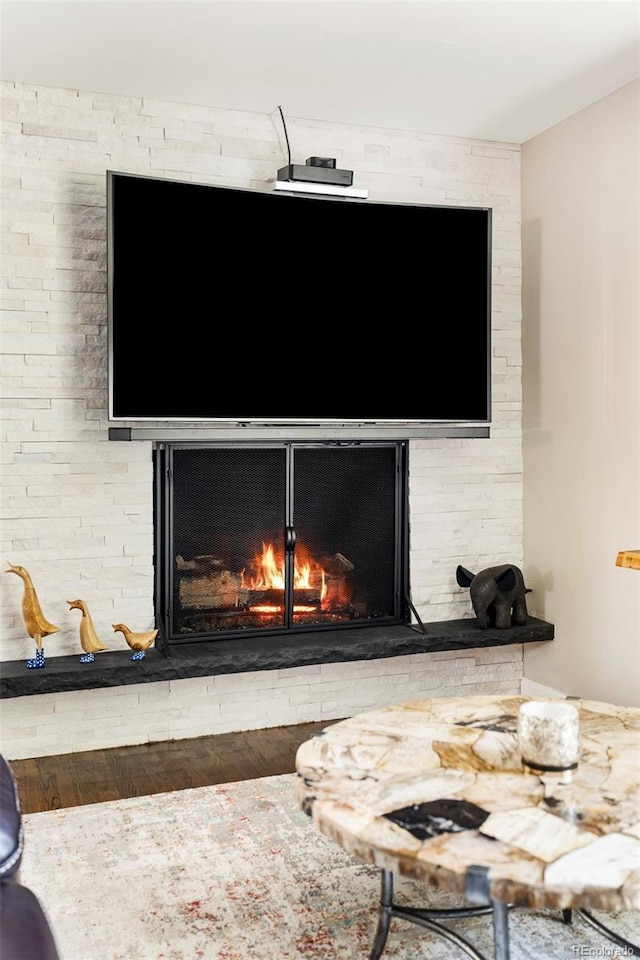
{"type": "Point", "coordinates": [289, 539]}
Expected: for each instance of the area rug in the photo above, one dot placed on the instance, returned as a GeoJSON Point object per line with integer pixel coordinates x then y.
{"type": "Point", "coordinates": [238, 872]}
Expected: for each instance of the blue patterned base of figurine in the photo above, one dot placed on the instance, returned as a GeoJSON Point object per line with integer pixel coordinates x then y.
{"type": "Point", "coordinates": [138, 656]}
{"type": "Point", "coordinates": [87, 658]}
{"type": "Point", "coordinates": [37, 662]}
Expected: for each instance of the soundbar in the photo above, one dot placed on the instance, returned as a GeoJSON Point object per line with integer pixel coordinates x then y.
{"type": "Point", "coordinates": [320, 189]}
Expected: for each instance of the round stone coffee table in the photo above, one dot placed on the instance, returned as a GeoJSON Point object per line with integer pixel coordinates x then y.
{"type": "Point", "coordinates": [434, 790]}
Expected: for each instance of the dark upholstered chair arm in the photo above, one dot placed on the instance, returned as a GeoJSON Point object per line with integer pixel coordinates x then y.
{"type": "Point", "coordinates": [24, 930]}
{"type": "Point", "coordinates": [25, 933]}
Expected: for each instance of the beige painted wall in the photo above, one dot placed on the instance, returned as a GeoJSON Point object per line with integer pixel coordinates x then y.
{"type": "Point", "coordinates": [581, 397]}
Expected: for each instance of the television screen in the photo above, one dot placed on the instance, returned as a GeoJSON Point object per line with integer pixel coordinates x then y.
{"type": "Point", "coordinates": [240, 305]}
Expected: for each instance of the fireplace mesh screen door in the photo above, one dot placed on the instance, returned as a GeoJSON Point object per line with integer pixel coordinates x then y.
{"type": "Point", "coordinates": [279, 538]}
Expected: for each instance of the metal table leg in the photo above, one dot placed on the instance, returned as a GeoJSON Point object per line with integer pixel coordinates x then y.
{"type": "Point", "coordinates": [500, 930]}
{"type": "Point", "coordinates": [428, 918]}
{"type": "Point", "coordinates": [385, 911]}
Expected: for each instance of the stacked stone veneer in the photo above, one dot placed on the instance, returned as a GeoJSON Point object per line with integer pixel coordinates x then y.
{"type": "Point", "coordinates": [175, 709]}
{"type": "Point", "coordinates": [77, 508]}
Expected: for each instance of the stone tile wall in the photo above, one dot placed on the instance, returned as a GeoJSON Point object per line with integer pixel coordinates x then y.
{"type": "Point", "coordinates": [54, 723]}
{"type": "Point", "coordinates": [77, 508]}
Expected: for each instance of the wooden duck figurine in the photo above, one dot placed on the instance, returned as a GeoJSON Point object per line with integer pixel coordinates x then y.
{"type": "Point", "coordinates": [89, 639]}
{"type": "Point", "coordinates": [35, 621]}
{"type": "Point", "coordinates": [137, 641]}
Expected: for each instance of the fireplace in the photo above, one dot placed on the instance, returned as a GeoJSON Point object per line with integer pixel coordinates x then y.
{"type": "Point", "coordinates": [279, 538]}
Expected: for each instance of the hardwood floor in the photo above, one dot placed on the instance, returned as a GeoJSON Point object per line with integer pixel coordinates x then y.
{"type": "Point", "coordinates": [69, 780]}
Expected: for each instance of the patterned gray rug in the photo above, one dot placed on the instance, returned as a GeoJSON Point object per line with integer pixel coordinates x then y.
{"type": "Point", "coordinates": [237, 872]}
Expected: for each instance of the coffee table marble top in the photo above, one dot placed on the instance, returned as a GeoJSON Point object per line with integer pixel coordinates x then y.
{"type": "Point", "coordinates": [428, 788]}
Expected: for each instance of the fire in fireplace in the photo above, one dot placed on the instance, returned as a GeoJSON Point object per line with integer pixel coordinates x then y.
{"type": "Point", "coordinates": [279, 537]}
{"type": "Point", "coordinates": [255, 594]}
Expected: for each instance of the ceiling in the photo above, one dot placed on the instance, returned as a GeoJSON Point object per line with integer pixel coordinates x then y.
{"type": "Point", "coordinates": [493, 70]}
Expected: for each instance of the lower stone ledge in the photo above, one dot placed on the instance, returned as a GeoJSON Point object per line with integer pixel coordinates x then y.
{"type": "Point", "coordinates": [209, 658]}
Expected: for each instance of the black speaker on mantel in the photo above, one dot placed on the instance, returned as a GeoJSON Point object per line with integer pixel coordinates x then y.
{"type": "Point", "coordinates": [316, 174]}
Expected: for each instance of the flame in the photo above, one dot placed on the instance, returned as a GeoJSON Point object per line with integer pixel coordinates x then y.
{"type": "Point", "coordinates": [270, 575]}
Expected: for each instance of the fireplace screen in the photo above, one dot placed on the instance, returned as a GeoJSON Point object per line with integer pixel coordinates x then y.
{"type": "Point", "coordinates": [278, 538]}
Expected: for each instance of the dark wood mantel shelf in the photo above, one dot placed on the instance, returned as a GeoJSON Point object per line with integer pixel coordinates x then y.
{"type": "Point", "coordinates": [207, 659]}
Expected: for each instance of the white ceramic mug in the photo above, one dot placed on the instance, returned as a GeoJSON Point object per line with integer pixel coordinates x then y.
{"type": "Point", "coordinates": [549, 736]}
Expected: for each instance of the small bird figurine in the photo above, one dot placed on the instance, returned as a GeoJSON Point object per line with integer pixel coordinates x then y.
{"type": "Point", "coordinates": [137, 641]}
{"type": "Point", "coordinates": [89, 639]}
{"type": "Point", "coordinates": [35, 621]}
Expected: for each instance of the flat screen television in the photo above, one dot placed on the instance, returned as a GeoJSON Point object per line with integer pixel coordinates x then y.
{"type": "Point", "coordinates": [262, 307]}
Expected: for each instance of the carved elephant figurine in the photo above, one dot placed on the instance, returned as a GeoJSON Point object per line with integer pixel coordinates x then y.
{"type": "Point", "coordinates": [498, 595]}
